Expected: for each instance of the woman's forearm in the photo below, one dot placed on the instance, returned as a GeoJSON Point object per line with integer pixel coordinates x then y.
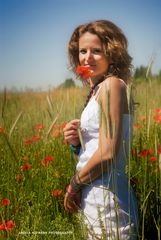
{"type": "Point", "coordinates": [93, 169]}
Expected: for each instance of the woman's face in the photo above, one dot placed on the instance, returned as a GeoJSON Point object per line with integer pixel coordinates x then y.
{"type": "Point", "coordinates": [91, 54]}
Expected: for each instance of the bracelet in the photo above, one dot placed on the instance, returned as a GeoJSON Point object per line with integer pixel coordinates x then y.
{"type": "Point", "coordinates": [72, 193]}
{"type": "Point", "coordinates": [75, 149]}
{"type": "Point", "coordinates": [80, 182]}
{"type": "Point", "coordinates": [76, 186]}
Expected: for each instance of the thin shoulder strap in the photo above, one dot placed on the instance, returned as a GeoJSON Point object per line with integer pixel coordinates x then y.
{"type": "Point", "coordinates": [122, 81]}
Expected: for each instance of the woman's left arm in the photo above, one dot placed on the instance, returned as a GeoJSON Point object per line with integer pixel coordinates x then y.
{"type": "Point", "coordinates": [112, 99]}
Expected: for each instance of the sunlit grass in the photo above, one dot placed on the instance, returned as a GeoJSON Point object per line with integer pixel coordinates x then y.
{"type": "Point", "coordinates": [36, 164]}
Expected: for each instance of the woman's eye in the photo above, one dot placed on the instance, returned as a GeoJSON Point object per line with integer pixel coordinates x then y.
{"type": "Point", "coordinates": [82, 51]}
{"type": "Point", "coordinates": [97, 50]}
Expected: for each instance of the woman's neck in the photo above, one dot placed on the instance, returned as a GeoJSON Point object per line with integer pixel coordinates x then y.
{"type": "Point", "coordinates": [93, 82]}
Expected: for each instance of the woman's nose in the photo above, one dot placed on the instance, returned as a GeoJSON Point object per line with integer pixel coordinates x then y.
{"type": "Point", "coordinates": [89, 55]}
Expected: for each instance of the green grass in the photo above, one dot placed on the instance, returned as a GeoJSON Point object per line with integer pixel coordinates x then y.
{"type": "Point", "coordinates": [34, 208]}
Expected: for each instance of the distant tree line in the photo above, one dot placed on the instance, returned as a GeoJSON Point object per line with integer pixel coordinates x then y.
{"type": "Point", "coordinates": [141, 73]}
{"type": "Point", "coordinates": [68, 83]}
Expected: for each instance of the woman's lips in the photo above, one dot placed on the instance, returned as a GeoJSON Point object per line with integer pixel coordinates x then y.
{"type": "Point", "coordinates": [90, 66]}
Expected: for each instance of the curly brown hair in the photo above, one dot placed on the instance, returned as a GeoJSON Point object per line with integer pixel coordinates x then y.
{"type": "Point", "coordinates": [114, 44]}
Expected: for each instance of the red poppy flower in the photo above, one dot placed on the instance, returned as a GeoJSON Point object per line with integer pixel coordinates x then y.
{"type": "Point", "coordinates": [36, 138]}
{"type": "Point", "coordinates": [26, 167]}
{"type": "Point", "coordinates": [5, 202]}
{"type": "Point", "coordinates": [7, 226]}
{"type": "Point", "coordinates": [145, 152]}
{"type": "Point", "coordinates": [49, 158]}
{"type": "Point", "coordinates": [56, 193]}
{"type": "Point", "coordinates": [84, 72]}
{"type": "Point", "coordinates": [45, 162]}
{"type": "Point", "coordinates": [58, 129]}
{"type": "Point", "coordinates": [152, 159]}
{"type": "Point", "coordinates": [28, 141]}
{"type": "Point", "coordinates": [158, 110]}
{"type": "Point", "coordinates": [2, 130]}
{"type": "Point", "coordinates": [39, 127]}
{"type": "Point", "coordinates": [157, 118]}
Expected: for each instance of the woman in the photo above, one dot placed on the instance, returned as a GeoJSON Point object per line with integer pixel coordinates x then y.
{"type": "Point", "coordinates": [100, 187]}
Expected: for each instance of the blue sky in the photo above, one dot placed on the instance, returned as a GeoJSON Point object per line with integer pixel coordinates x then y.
{"type": "Point", "coordinates": [34, 35]}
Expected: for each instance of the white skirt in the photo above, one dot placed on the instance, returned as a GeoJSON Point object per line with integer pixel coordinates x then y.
{"type": "Point", "coordinates": [110, 215]}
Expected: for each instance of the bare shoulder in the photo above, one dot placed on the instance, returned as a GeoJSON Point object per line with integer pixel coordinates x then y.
{"type": "Point", "coordinates": [113, 84]}
{"type": "Point", "coordinates": [113, 91]}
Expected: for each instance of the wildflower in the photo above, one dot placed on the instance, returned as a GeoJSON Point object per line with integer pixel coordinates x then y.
{"type": "Point", "coordinates": [19, 178]}
{"type": "Point", "coordinates": [7, 226]}
{"type": "Point", "coordinates": [137, 126]}
{"type": "Point", "coordinates": [5, 202]}
{"type": "Point", "coordinates": [58, 129]}
{"type": "Point", "coordinates": [2, 130]}
{"type": "Point", "coordinates": [84, 72]}
{"type": "Point", "coordinates": [56, 193]}
{"type": "Point", "coordinates": [152, 159]}
{"type": "Point", "coordinates": [49, 158]}
{"type": "Point", "coordinates": [145, 152]}
{"type": "Point", "coordinates": [39, 127]}
{"type": "Point", "coordinates": [28, 141]}
{"type": "Point", "coordinates": [157, 118]}
{"type": "Point", "coordinates": [45, 162]}
{"type": "Point", "coordinates": [158, 110]}
{"type": "Point", "coordinates": [26, 167]}
{"type": "Point", "coordinates": [36, 138]}
{"type": "Point", "coordinates": [56, 132]}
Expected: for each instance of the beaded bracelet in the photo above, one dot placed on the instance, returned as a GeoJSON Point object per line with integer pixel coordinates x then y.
{"type": "Point", "coordinates": [76, 186]}
{"type": "Point", "coordinates": [75, 149]}
{"type": "Point", "coordinates": [72, 193]}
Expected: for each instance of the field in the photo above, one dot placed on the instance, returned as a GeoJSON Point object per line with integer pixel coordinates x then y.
{"type": "Point", "coordinates": [36, 164]}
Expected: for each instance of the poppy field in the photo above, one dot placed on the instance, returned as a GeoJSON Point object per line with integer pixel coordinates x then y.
{"type": "Point", "coordinates": [36, 164]}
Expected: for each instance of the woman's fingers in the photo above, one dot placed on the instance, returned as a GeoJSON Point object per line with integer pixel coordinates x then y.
{"type": "Point", "coordinates": [71, 137]}
{"type": "Point", "coordinates": [69, 204]}
{"type": "Point", "coordinates": [72, 125]}
{"type": "Point", "coordinates": [75, 122]}
{"type": "Point", "coordinates": [71, 133]}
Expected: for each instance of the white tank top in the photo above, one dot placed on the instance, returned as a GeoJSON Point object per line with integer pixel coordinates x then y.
{"type": "Point", "coordinates": [90, 122]}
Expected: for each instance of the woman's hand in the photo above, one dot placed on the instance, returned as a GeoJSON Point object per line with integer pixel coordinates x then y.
{"type": "Point", "coordinates": [72, 200]}
{"type": "Point", "coordinates": [71, 133]}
